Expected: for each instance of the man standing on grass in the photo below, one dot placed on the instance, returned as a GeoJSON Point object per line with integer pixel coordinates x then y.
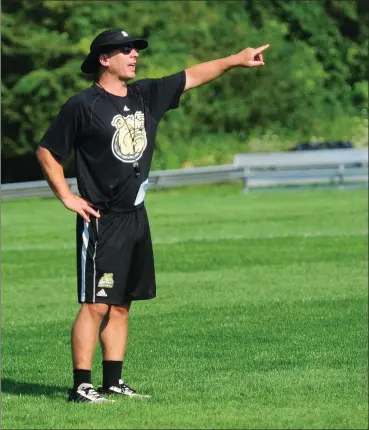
{"type": "Point", "coordinates": [111, 126]}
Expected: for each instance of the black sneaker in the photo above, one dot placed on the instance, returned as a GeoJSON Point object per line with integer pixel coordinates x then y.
{"type": "Point", "coordinates": [122, 389]}
{"type": "Point", "coordinates": [85, 393]}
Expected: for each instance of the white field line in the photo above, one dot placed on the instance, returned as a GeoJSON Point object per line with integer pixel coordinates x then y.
{"type": "Point", "coordinates": [174, 240]}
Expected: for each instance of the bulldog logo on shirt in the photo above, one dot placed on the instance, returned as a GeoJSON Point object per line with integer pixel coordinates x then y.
{"type": "Point", "coordinates": [129, 140]}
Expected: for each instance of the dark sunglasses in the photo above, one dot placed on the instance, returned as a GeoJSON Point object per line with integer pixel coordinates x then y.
{"type": "Point", "coordinates": [127, 49]}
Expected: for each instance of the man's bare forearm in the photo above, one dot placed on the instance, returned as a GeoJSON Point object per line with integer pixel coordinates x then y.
{"type": "Point", "coordinates": [208, 71]}
{"type": "Point", "coordinates": [54, 174]}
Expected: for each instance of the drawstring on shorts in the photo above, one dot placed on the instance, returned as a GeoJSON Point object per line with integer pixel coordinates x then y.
{"type": "Point", "coordinates": [106, 208]}
{"type": "Point", "coordinates": [137, 212]}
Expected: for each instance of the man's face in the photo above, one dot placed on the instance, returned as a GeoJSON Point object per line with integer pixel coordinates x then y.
{"type": "Point", "coordinates": [121, 62]}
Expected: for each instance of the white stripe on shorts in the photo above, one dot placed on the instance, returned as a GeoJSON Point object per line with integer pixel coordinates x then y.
{"type": "Point", "coordinates": [94, 257]}
{"type": "Point", "coordinates": [85, 240]}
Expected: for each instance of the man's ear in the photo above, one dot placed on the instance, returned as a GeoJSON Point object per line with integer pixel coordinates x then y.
{"type": "Point", "coordinates": [104, 59]}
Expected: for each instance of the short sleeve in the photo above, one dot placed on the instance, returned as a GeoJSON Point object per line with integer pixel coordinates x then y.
{"type": "Point", "coordinates": [162, 94]}
{"type": "Point", "coordinates": [63, 131]}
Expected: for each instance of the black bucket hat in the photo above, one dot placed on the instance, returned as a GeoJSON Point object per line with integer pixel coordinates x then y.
{"type": "Point", "coordinates": [106, 41]}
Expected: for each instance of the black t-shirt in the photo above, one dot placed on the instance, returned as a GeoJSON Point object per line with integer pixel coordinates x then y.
{"type": "Point", "coordinates": [110, 134]}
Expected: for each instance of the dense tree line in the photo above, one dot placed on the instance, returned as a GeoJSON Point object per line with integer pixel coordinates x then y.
{"type": "Point", "coordinates": [314, 83]}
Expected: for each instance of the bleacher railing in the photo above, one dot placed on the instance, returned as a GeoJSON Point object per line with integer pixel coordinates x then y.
{"type": "Point", "coordinates": [333, 166]}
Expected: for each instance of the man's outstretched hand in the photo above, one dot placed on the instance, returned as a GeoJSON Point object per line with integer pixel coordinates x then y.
{"type": "Point", "coordinates": [251, 57]}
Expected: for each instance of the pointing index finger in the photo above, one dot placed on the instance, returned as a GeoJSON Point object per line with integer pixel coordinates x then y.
{"type": "Point", "coordinates": [262, 48]}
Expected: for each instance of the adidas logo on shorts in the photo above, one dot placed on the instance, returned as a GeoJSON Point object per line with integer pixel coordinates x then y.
{"type": "Point", "coordinates": [101, 293]}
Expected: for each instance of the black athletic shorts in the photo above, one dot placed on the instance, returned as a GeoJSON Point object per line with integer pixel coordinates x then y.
{"type": "Point", "coordinates": [115, 262]}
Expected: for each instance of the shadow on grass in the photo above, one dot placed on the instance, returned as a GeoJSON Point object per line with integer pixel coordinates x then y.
{"type": "Point", "coordinates": [10, 386]}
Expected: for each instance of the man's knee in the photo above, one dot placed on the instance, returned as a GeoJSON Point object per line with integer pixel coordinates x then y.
{"type": "Point", "coordinates": [96, 310]}
{"type": "Point", "coordinates": [120, 310]}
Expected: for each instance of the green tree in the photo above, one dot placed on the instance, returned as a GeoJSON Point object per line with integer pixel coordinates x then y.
{"type": "Point", "coordinates": [314, 82]}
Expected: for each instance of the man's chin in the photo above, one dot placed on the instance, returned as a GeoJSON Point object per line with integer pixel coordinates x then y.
{"type": "Point", "coordinates": [128, 77]}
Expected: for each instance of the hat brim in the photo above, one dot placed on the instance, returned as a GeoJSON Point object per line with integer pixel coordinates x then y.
{"type": "Point", "coordinates": [91, 62]}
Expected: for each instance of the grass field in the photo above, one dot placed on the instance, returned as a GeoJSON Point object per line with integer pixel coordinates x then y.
{"type": "Point", "coordinates": [260, 320]}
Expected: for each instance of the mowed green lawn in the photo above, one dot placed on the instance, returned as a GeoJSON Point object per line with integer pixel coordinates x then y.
{"type": "Point", "coordinates": [260, 320]}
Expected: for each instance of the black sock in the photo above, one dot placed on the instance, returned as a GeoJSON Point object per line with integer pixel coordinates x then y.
{"type": "Point", "coordinates": [81, 376]}
{"type": "Point", "coordinates": [112, 372]}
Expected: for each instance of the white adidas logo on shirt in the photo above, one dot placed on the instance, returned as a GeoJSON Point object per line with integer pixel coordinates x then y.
{"type": "Point", "coordinates": [126, 109]}
{"type": "Point", "coordinates": [101, 293]}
